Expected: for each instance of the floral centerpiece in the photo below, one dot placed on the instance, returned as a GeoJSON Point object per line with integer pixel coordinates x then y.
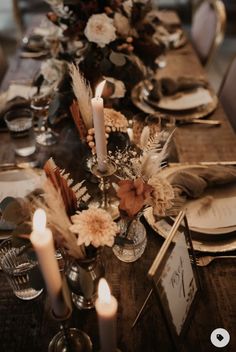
{"type": "Point", "coordinates": [107, 38]}
{"type": "Point", "coordinates": [141, 183]}
{"type": "Point", "coordinates": [141, 186]}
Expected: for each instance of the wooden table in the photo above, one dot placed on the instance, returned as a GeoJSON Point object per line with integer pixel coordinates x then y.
{"type": "Point", "coordinates": [27, 326]}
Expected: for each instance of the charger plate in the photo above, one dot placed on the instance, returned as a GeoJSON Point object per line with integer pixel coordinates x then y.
{"type": "Point", "coordinates": [210, 239]}
{"type": "Point", "coordinates": [221, 195]}
{"type": "Point", "coordinates": [184, 107]}
{"type": "Point", "coordinates": [162, 227]}
{"type": "Point", "coordinates": [16, 183]}
{"type": "Point", "coordinates": [19, 182]}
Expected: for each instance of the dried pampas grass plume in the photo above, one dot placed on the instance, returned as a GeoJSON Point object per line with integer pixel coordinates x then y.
{"type": "Point", "coordinates": [83, 95]}
{"type": "Point", "coordinates": [58, 220]}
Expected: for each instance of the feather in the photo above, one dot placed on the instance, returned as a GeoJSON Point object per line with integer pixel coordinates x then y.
{"type": "Point", "coordinates": [145, 136]}
{"type": "Point", "coordinates": [205, 204]}
{"type": "Point", "coordinates": [153, 156]}
{"type": "Point", "coordinates": [71, 195]}
{"type": "Point", "coordinates": [75, 113]}
{"type": "Point", "coordinates": [83, 95]}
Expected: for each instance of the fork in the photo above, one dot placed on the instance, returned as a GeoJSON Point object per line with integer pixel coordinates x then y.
{"type": "Point", "coordinates": [204, 261]}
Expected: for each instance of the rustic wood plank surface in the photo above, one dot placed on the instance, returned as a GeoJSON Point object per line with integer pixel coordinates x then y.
{"type": "Point", "coordinates": [27, 326]}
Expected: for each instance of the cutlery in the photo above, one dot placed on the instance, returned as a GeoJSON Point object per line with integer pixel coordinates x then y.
{"type": "Point", "coordinates": [179, 122]}
{"type": "Point", "coordinates": [206, 260]}
{"type": "Point", "coordinates": [33, 55]}
{"type": "Point", "coordinates": [205, 163]}
{"type": "Point", "coordinates": [22, 165]}
{"type": "Point", "coordinates": [199, 121]}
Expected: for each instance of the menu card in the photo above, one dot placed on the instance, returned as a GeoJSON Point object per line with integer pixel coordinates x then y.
{"type": "Point", "coordinates": [178, 283]}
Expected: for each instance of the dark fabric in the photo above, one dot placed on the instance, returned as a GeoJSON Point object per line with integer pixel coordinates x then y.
{"type": "Point", "coordinates": [193, 182]}
{"type": "Point", "coordinates": [167, 86]}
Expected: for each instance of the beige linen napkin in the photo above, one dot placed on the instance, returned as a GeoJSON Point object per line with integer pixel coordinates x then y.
{"type": "Point", "coordinates": [192, 183]}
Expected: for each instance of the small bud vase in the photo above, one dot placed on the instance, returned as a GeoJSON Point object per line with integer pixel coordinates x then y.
{"type": "Point", "coordinates": [132, 240]}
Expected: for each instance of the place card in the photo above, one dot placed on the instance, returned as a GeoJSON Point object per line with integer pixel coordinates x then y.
{"type": "Point", "coordinates": [175, 279]}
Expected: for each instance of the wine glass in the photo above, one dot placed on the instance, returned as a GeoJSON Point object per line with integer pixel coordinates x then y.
{"type": "Point", "coordinates": [40, 106]}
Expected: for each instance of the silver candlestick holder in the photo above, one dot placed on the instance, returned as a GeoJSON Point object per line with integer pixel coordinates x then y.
{"type": "Point", "coordinates": [68, 339]}
{"type": "Point", "coordinates": [106, 202]}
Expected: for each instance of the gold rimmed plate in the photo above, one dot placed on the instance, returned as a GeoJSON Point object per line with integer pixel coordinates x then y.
{"type": "Point", "coordinates": [162, 227]}
{"type": "Point", "coordinates": [19, 182]}
{"type": "Point", "coordinates": [15, 184]}
{"type": "Point", "coordinates": [215, 219]}
{"type": "Point", "coordinates": [205, 239]}
{"type": "Point", "coordinates": [186, 106]}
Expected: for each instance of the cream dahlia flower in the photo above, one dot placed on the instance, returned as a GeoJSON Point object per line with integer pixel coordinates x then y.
{"type": "Point", "coordinates": [163, 195]}
{"type": "Point", "coordinates": [100, 30]}
{"type": "Point", "coordinates": [94, 226]}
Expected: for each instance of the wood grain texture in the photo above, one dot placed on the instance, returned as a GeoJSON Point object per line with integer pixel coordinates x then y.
{"type": "Point", "coordinates": [27, 326]}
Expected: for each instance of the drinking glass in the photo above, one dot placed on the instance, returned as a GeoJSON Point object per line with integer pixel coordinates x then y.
{"type": "Point", "coordinates": [22, 271]}
{"type": "Point", "coordinates": [20, 126]}
{"type": "Point", "coordinates": [40, 106]}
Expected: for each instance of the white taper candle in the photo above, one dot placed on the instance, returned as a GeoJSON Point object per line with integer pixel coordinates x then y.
{"type": "Point", "coordinates": [106, 308]}
{"type": "Point", "coordinates": [99, 127]}
{"type": "Point", "coordinates": [42, 240]}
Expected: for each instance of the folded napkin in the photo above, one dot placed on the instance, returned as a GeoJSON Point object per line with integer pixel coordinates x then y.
{"type": "Point", "coordinates": [167, 86]}
{"type": "Point", "coordinates": [170, 37]}
{"type": "Point", "coordinates": [192, 183]}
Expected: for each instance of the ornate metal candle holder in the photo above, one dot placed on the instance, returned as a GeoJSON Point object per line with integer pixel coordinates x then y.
{"type": "Point", "coordinates": [68, 339]}
{"type": "Point", "coordinates": [105, 185]}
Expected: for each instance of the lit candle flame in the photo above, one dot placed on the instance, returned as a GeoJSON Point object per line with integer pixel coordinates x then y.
{"type": "Point", "coordinates": [104, 293]}
{"type": "Point", "coordinates": [39, 220]}
{"type": "Point", "coordinates": [99, 89]}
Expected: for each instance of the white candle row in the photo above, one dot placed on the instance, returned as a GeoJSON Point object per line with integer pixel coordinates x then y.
{"type": "Point", "coordinates": [106, 305]}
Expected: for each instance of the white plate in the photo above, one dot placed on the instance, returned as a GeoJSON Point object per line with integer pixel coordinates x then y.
{"type": "Point", "coordinates": [221, 195]}
{"type": "Point", "coordinates": [219, 246]}
{"type": "Point", "coordinates": [140, 98]}
{"type": "Point", "coordinates": [186, 101]}
{"type": "Point", "coordinates": [18, 183]}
